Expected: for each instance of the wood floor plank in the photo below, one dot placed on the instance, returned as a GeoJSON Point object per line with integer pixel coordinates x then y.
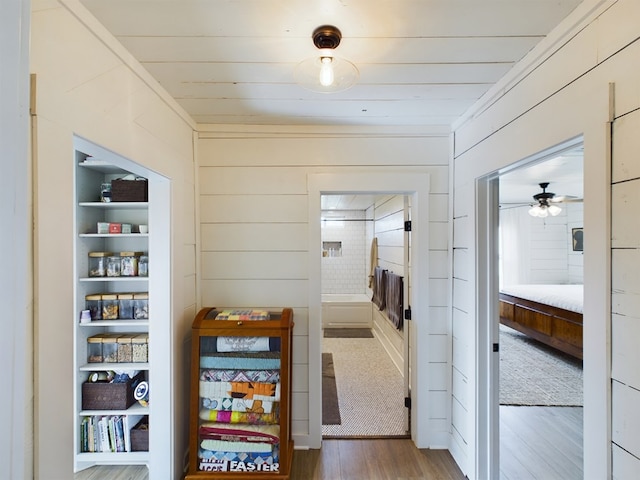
{"type": "Point", "coordinates": [541, 443]}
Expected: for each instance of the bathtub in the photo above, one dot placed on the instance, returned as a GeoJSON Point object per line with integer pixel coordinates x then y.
{"type": "Point", "coordinates": [346, 311]}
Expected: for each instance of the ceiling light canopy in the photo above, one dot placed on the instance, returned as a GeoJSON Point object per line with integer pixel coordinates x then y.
{"type": "Point", "coordinates": [326, 73]}
{"type": "Point", "coordinates": [544, 208]}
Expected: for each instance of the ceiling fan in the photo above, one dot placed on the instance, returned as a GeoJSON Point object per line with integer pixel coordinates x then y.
{"type": "Point", "coordinates": [546, 202]}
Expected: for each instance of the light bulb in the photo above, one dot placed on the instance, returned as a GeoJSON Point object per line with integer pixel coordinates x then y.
{"type": "Point", "coordinates": [326, 71]}
{"type": "Point", "coordinates": [554, 210]}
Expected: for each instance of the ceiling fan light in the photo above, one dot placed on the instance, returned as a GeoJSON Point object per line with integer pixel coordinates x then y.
{"type": "Point", "coordinates": [554, 210]}
{"type": "Point", "coordinates": [538, 211]}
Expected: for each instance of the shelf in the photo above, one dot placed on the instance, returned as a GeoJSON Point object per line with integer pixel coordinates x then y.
{"type": "Point", "coordinates": [113, 279]}
{"type": "Point", "coordinates": [116, 323]}
{"type": "Point", "coordinates": [123, 458]}
{"type": "Point", "coordinates": [135, 409]}
{"type": "Point", "coordinates": [115, 205]}
{"type": "Point", "coordinates": [97, 367]}
{"type": "Point", "coordinates": [101, 166]}
{"type": "Point", "coordinates": [113, 235]}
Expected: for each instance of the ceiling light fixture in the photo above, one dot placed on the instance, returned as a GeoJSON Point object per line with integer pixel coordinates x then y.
{"type": "Point", "coordinates": [326, 73]}
{"type": "Point", "coordinates": [544, 208]}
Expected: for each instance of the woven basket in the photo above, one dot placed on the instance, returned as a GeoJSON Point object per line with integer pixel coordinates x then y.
{"type": "Point", "coordinates": [109, 396]}
{"type": "Point", "coordinates": [129, 191]}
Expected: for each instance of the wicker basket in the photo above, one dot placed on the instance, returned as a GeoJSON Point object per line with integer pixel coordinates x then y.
{"type": "Point", "coordinates": [129, 191]}
{"type": "Point", "coordinates": [109, 396]}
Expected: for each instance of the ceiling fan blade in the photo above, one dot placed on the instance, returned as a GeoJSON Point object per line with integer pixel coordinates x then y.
{"type": "Point", "coordinates": [565, 199]}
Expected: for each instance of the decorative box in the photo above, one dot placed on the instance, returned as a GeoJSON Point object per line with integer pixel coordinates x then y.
{"type": "Point", "coordinates": [129, 190]}
{"type": "Point", "coordinates": [140, 436]}
{"type": "Point", "coordinates": [109, 395]}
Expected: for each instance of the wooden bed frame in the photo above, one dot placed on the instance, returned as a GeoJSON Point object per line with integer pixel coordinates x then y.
{"type": "Point", "coordinates": [556, 327]}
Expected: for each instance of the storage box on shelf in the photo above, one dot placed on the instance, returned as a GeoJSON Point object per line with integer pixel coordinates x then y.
{"type": "Point", "coordinates": [240, 422]}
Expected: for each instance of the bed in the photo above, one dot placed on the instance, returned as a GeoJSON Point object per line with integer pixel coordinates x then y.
{"type": "Point", "coordinates": [551, 314]}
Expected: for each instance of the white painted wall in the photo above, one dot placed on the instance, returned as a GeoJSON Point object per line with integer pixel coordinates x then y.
{"type": "Point", "coordinates": [547, 245]}
{"type": "Point", "coordinates": [566, 95]}
{"type": "Point", "coordinates": [346, 271]}
{"type": "Point", "coordinates": [87, 85]}
{"type": "Point", "coordinates": [625, 287]}
{"type": "Point", "coordinates": [255, 218]}
{"type": "Point", "coordinates": [16, 293]}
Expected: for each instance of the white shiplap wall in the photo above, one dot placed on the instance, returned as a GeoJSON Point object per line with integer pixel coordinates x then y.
{"type": "Point", "coordinates": [87, 85]}
{"type": "Point", "coordinates": [254, 219]}
{"type": "Point", "coordinates": [625, 300]}
{"type": "Point", "coordinates": [564, 95]}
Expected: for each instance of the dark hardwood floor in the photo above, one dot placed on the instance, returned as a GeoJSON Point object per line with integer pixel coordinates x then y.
{"type": "Point", "coordinates": [376, 459]}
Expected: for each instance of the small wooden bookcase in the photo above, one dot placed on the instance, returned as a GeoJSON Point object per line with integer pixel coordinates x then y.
{"type": "Point", "coordinates": [240, 395]}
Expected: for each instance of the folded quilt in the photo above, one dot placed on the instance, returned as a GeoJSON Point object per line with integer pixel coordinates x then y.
{"type": "Point", "coordinates": [215, 375]}
{"type": "Point", "coordinates": [247, 390]}
{"type": "Point", "coordinates": [221, 461]}
{"type": "Point", "coordinates": [244, 433]}
{"type": "Point", "coordinates": [242, 361]}
{"type": "Point", "coordinates": [224, 446]}
{"type": "Point", "coordinates": [243, 315]}
{"type": "Point", "coordinates": [239, 405]}
{"type": "Point", "coordinates": [210, 345]}
{"type": "Point", "coordinates": [250, 418]}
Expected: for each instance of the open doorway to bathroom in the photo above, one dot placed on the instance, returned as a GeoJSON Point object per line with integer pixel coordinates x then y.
{"type": "Point", "coordinates": [540, 279]}
{"type": "Point", "coordinates": [363, 379]}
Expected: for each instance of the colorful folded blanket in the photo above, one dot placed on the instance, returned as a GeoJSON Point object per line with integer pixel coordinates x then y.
{"type": "Point", "coordinates": [224, 446]}
{"type": "Point", "coordinates": [214, 375]}
{"type": "Point", "coordinates": [245, 433]}
{"type": "Point", "coordinates": [242, 361]}
{"type": "Point", "coordinates": [249, 418]}
{"type": "Point", "coordinates": [211, 461]}
{"type": "Point", "coordinates": [243, 315]}
{"type": "Point", "coordinates": [246, 390]}
{"type": "Point", "coordinates": [210, 345]}
{"type": "Point", "coordinates": [239, 405]}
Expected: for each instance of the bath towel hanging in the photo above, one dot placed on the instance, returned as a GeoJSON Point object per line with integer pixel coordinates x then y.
{"type": "Point", "coordinates": [373, 260]}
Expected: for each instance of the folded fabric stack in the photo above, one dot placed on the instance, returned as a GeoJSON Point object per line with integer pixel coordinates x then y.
{"type": "Point", "coordinates": [243, 315]}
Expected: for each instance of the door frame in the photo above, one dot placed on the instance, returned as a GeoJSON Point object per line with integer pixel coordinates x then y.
{"type": "Point", "coordinates": [363, 181]}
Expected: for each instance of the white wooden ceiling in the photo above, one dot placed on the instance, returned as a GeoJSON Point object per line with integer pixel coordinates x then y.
{"type": "Point", "coordinates": [421, 62]}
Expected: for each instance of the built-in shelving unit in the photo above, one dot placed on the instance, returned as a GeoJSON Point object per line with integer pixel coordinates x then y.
{"type": "Point", "coordinates": [95, 166]}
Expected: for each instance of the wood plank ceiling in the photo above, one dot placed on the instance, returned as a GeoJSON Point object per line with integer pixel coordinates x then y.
{"type": "Point", "coordinates": [421, 62]}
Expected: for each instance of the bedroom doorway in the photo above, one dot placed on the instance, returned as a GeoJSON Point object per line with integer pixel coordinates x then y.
{"type": "Point", "coordinates": [538, 381]}
{"type": "Point", "coordinates": [356, 335]}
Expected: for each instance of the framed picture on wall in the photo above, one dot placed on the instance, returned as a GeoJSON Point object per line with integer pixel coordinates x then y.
{"type": "Point", "coordinates": [577, 239]}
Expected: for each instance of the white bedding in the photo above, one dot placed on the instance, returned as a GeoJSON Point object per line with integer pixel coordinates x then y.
{"type": "Point", "coordinates": [568, 297]}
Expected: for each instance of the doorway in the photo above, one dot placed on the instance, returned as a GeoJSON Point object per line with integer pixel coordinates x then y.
{"type": "Point", "coordinates": [416, 186]}
{"type": "Point", "coordinates": [358, 233]}
{"type": "Point", "coordinates": [535, 387]}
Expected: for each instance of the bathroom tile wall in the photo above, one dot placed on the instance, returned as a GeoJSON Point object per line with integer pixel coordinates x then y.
{"type": "Point", "coordinates": [345, 271]}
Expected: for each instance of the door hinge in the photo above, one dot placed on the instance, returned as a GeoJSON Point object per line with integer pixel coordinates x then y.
{"type": "Point", "coordinates": [407, 226]}
{"type": "Point", "coordinates": [496, 347]}
{"type": "Point", "coordinates": [407, 314]}
{"type": "Point", "coordinates": [407, 402]}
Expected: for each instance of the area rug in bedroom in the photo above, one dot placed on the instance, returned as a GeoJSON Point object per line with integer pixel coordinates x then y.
{"type": "Point", "coordinates": [532, 373]}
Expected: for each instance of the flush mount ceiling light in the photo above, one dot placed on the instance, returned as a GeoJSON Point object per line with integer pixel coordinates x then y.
{"type": "Point", "coordinates": [326, 73]}
{"type": "Point", "coordinates": [544, 208]}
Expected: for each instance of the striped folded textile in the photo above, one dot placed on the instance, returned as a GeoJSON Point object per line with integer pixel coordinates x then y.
{"type": "Point", "coordinates": [243, 315]}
